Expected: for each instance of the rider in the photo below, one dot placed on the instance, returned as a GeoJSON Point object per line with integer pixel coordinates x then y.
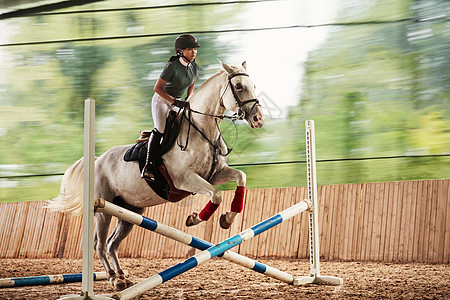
{"type": "Point", "coordinates": [179, 74]}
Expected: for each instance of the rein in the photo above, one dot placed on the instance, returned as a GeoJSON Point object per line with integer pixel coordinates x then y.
{"type": "Point", "coordinates": [215, 146]}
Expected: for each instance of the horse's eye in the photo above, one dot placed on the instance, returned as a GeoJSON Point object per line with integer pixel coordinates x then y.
{"type": "Point", "coordinates": [238, 87]}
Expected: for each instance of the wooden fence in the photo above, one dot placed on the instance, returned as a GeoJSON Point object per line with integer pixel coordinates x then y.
{"type": "Point", "coordinates": [389, 222]}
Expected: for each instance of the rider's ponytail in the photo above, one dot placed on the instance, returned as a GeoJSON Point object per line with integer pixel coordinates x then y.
{"type": "Point", "coordinates": [172, 58]}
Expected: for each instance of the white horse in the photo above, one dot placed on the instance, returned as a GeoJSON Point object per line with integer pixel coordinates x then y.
{"type": "Point", "coordinates": [196, 168]}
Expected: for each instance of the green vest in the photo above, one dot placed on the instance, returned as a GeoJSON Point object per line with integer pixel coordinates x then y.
{"type": "Point", "coordinates": [178, 77]}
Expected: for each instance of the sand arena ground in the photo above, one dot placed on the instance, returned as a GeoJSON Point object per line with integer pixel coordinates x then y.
{"type": "Point", "coordinates": [220, 279]}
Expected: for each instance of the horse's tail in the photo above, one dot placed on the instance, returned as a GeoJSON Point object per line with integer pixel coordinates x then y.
{"type": "Point", "coordinates": [70, 198]}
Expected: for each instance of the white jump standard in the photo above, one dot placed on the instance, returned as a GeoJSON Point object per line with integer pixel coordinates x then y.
{"type": "Point", "coordinates": [314, 254]}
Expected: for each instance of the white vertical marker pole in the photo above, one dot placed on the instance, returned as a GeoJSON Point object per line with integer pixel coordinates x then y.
{"type": "Point", "coordinates": [87, 279]}
{"type": "Point", "coordinates": [88, 199]}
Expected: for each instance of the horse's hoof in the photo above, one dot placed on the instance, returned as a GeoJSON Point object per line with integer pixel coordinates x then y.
{"type": "Point", "coordinates": [123, 277]}
{"type": "Point", "coordinates": [117, 283]}
{"type": "Point", "coordinates": [190, 219]}
{"type": "Point", "coordinates": [223, 222]}
{"type": "Point", "coordinates": [128, 282]}
{"type": "Point", "coordinates": [120, 284]}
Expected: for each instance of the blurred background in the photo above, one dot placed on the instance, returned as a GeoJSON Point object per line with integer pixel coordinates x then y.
{"type": "Point", "coordinates": [373, 74]}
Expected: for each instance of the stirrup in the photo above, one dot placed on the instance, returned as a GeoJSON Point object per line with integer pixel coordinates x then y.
{"type": "Point", "coordinates": [148, 174]}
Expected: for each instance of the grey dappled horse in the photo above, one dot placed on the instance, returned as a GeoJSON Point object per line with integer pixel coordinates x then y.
{"type": "Point", "coordinates": [196, 169]}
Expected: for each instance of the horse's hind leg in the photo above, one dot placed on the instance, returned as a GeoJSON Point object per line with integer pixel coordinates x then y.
{"type": "Point", "coordinates": [102, 222]}
{"type": "Point", "coordinates": [121, 231]}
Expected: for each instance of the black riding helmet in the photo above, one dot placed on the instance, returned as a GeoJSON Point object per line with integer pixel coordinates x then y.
{"type": "Point", "coordinates": [186, 41]}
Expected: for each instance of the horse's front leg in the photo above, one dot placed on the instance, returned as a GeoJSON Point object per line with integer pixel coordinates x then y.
{"type": "Point", "coordinates": [224, 175]}
{"type": "Point", "coordinates": [194, 183]}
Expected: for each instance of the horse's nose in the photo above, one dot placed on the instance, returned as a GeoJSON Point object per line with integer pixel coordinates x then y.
{"type": "Point", "coordinates": [257, 120]}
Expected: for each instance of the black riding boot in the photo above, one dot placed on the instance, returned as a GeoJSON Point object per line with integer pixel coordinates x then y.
{"type": "Point", "coordinates": [153, 151]}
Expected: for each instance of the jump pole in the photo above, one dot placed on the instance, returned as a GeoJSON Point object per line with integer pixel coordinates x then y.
{"type": "Point", "coordinates": [109, 208]}
{"type": "Point", "coordinates": [46, 279]}
{"type": "Point", "coordinates": [211, 252]}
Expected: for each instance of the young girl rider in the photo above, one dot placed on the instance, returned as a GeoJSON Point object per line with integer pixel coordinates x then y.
{"type": "Point", "coordinates": [179, 74]}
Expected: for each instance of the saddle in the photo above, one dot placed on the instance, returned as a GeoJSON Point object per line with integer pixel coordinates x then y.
{"type": "Point", "coordinates": [162, 185]}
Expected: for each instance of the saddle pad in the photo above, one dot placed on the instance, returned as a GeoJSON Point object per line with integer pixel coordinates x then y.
{"type": "Point", "coordinates": [135, 152]}
{"type": "Point", "coordinates": [138, 152]}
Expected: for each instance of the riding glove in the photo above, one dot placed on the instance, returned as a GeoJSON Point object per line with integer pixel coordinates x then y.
{"type": "Point", "coordinates": [180, 104]}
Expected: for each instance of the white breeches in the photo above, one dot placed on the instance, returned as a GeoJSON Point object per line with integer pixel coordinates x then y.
{"type": "Point", "coordinates": [160, 111]}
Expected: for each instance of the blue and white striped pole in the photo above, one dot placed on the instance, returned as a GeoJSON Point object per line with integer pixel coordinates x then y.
{"type": "Point", "coordinates": [187, 239]}
{"type": "Point", "coordinates": [46, 279]}
{"type": "Point", "coordinates": [211, 252]}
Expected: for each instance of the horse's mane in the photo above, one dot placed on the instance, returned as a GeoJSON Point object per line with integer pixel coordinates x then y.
{"type": "Point", "coordinates": [207, 81]}
{"type": "Point", "coordinates": [220, 72]}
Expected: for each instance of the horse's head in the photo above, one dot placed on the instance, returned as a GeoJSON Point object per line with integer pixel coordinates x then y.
{"type": "Point", "coordinates": [241, 96]}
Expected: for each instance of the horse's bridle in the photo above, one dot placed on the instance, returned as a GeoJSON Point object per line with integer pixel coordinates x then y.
{"type": "Point", "coordinates": [240, 114]}
{"type": "Point", "coordinates": [240, 103]}
{"type": "Point", "coordinates": [237, 116]}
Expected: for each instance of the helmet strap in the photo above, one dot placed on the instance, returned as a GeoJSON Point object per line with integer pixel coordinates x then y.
{"type": "Point", "coordinates": [180, 53]}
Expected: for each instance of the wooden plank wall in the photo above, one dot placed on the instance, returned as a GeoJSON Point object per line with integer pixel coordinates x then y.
{"type": "Point", "coordinates": [390, 222]}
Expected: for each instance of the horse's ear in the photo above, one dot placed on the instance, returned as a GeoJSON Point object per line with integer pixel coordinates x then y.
{"type": "Point", "coordinates": [244, 64]}
{"type": "Point", "coordinates": [226, 67]}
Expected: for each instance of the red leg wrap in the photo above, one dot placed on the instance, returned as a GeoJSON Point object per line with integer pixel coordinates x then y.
{"type": "Point", "coordinates": [207, 212]}
{"type": "Point", "coordinates": [238, 202]}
